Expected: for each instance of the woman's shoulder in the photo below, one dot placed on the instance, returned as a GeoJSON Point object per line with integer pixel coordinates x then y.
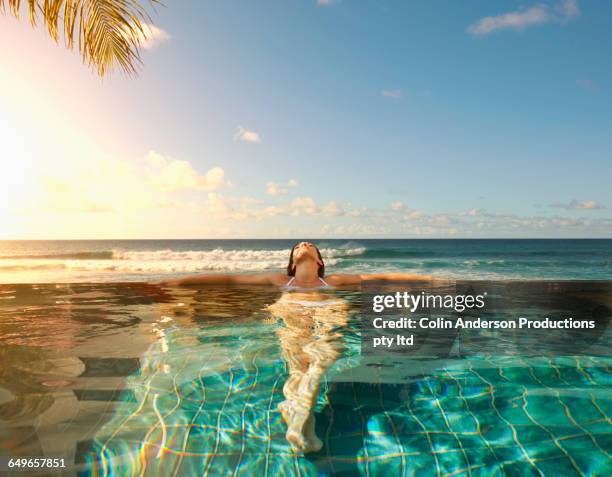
{"type": "Point", "coordinates": [278, 279]}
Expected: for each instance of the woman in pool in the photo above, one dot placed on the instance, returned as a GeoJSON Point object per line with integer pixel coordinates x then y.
{"type": "Point", "coordinates": [306, 270]}
{"type": "Point", "coordinates": [311, 340]}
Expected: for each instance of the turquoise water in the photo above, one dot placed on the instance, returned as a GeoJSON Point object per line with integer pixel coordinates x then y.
{"type": "Point", "coordinates": [205, 402]}
{"type": "Point", "coordinates": [142, 260]}
{"type": "Point", "coordinates": [130, 378]}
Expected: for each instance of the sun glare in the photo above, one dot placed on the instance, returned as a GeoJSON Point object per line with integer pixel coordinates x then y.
{"type": "Point", "coordinates": [16, 176]}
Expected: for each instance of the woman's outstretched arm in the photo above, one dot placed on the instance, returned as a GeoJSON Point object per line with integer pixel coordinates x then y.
{"type": "Point", "coordinates": [277, 279]}
{"type": "Point", "coordinates": [355, 279]}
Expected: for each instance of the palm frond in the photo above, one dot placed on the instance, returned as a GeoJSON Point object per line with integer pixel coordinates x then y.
{"type": "Point", "coordinates": [109, 33]}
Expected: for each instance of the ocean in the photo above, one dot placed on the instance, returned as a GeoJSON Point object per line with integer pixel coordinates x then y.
{"type": "Point", "coordinates": [145, 260]}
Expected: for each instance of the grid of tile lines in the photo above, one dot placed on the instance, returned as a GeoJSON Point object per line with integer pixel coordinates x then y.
{"type": "Point", "coordinates": [369, 437]}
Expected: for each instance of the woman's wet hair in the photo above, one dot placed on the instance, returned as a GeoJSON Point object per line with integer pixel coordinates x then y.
{"type": "Point", "coordinates": [291, 271]}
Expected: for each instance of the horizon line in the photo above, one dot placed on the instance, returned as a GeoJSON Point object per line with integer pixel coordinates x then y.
{"type": "Point", "coordinates": [305, 238]}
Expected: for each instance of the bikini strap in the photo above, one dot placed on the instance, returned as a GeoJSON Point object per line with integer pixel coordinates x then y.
{"type": "Point", "coordinates": [290, 281]}
{"type": "Point", "coordinates": [324, 282]}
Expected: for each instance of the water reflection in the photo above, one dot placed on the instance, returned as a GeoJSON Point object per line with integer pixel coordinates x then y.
{"type": "Point", "coordinates": [311, 341]}
{"type": "Point", "coordinates": [133, 379]}
{"type": "Point", "coordinates": [65, 351]}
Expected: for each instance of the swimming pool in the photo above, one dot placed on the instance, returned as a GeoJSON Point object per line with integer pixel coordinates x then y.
{"type": "Point", "coordinates": [135, 379]}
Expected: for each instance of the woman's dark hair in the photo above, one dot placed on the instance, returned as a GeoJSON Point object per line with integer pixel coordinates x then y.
{"type": "Point", "coordinates": [291, 272]}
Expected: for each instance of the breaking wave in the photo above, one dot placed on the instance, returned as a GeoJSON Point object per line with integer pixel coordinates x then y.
{"type": "Point", "coordinates": [167, 260]}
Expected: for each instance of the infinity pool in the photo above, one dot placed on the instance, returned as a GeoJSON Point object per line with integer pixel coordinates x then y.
{"type": "Point", "coordinates": [134, 379]}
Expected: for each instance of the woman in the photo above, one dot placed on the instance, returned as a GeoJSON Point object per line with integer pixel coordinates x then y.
{"type": "Point", "coordinates": [305, 270]}
{"type": "Point", "coordinates": [310, 339]}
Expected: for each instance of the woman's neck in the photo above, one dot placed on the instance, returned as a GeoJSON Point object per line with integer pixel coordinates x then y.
{"type": "Point", "coordinates": [307, 272]}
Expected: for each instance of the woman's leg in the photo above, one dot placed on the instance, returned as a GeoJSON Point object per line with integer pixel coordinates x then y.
{"type": "Point", "coordinates": [297, 364]}
{"type": "Point", "coordinates": [323, 350]}
{"type": "Point", "coordinates": [295, 409]}
{"type": "Point", "coordinates": [309, 354]}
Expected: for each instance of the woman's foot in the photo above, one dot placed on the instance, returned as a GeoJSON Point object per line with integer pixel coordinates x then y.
{"type": "Point", "coordinates": [304, 444]}
{"type": "Point", "coordinates": [300, 433]}
{"type": "Point", "coordinates": [297, 440]}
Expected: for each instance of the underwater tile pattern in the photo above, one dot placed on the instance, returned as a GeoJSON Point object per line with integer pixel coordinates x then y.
{"type": "Point", "coordinates": [209, 408]}
{"type": "Point", "coordinates": [191, 387]}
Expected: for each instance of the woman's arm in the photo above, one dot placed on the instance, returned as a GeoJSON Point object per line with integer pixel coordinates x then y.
{"type": "Point", "coordinates": [346, 279]}
{"type": "Point", "coordinates": [227, 279]}
{"type": "Point", "coordinates": [397, 277]}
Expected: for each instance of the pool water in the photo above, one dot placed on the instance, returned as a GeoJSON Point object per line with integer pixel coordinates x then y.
{"type": "Point", "coordinates": [134, 379]}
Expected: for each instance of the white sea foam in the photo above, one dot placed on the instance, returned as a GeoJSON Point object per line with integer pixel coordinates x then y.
{"type": "Point", "coordinates": [175, 261]}
{"type": "Point", "coordinates": [227, 255]}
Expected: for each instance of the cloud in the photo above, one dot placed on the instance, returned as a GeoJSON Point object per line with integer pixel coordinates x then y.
{"type": "Point", "coordinates": [399, 220]}
{"type": "Point", "coordinates": [519, 20]}
{"type": "Point", "coordinates": [578, 205]}
{"type": "Point", "coordinates": [406, 212]}
{"type": "Point", "coordinates": [332, 209]}
{"type": "Point", "coordinates": [538, 14]}
{"type": "Point", "coordinates": [392, 93]}
{"type": "Point", "coordinates": [325, 3]}
{"type": "Point", "coordinates": [306, 205]}
{"type": "Point", "coordinates": [106, 184]}
{"type": "Point", "coordinates": [475, 212]}
{"type": "Point", "coordinates": [246, 135]}
{"type": "Point", "coordinates": [172, 175]}
{"type": "Point", "coordinates": [153, 36]}
{"type": "Point", "coordinates": [242, 208]}
{"type": "Point", "coordinates": [275, 189]}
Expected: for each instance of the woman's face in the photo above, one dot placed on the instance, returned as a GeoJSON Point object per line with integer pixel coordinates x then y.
{"type": "Point", "coordinates": [305, 250]}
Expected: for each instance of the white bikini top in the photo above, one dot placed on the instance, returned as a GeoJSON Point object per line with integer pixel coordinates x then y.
{"type": "Point", "coordinates": [307, 303]}
{"type": "Point", "coordinates": [325, 284]}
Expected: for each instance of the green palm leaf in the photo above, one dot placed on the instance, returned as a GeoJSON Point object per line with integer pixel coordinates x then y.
{"type": "Point", "coordinates": [109, 33]}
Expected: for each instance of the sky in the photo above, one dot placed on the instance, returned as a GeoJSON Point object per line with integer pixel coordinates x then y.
{"type": "Point", "coordinates": [314, 119]}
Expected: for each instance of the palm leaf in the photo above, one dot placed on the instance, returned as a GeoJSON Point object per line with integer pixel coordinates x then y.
{"type": "Point", "coordinates": [109, 33]}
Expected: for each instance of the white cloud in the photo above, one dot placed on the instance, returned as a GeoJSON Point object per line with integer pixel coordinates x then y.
{"type": "Point", "coordinates": [475, 212]}
{"type": "Point", "coordinates": [578, 205]}
{"type": "Point", "coordinates": [332, 209]}
{"type": "Point", "coordinates": [153, 36]}
{"type": "Point", "coordinates": [246, 135]}
{"type": "Point", "coordinates": [241, 208]}
{"type": "Point", "coordinates": [405, 212]}
{"type": "Point", "coordinates": [392, 93]}
{"type": "Point", "coordinates": [519, 20]}
{"type": "Point", "coordinates": [538, 14]}
{"type": "Point", "coordinates": [106, 184]}
{"type": "Point", "coordinates": [171, 175]}
{"type": "Point", "coordinates": [306, 205]}
{"type": "Point", "coordinates": [275, 189]}
{"type": "Point", "coordinates": [479, 222]}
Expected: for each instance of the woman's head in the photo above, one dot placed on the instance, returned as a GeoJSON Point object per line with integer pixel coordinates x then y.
{"type": "Point", "coordinates": [304, 251]}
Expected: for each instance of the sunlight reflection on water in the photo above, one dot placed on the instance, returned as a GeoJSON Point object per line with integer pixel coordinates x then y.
{"type": "Point", "coordinates": [127, 377]}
